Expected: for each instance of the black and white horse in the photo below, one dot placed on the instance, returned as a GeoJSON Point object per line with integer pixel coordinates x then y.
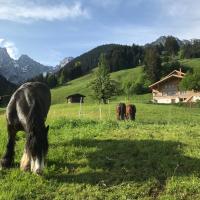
{"type": "Point", "coordinates": [27, 111]}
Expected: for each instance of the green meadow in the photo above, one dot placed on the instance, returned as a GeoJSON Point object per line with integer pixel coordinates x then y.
{"type": "Point", "coordinates": [92, 156]}
{"type": "Point", "coordinates": [155, 157]}
{"type": "Point", "coordinates": [81, 85]}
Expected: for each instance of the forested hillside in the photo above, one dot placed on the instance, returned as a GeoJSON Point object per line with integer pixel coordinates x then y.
{"type": "Point", "coordinates": [159, 58]}
{"type": "Point", "coordinates": [6, 89]}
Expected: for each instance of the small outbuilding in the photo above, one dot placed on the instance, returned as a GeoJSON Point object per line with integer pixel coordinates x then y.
{"type": "Point", "coordinates": [75, 98]}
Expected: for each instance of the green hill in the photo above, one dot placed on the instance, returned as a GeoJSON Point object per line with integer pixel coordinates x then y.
{"type": "Point", "coordinates": [80, 85]}
{"type": "Point", "coordinates": [195, 62]}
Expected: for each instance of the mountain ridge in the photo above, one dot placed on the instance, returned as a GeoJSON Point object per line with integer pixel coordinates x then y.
{"type": "Point", "coordinates": [20, 70]}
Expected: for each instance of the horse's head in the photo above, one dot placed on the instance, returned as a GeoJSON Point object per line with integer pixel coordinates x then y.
{"type": "Point", "coordinates": [37, 146]}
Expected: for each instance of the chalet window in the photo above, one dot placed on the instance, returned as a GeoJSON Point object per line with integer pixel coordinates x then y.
{"type": "Point", "coordinates": [171, 93]}
{"type": "Point", "coordinates": [182, 92]}
{"type": "Point", "coordinates": [164, 94]}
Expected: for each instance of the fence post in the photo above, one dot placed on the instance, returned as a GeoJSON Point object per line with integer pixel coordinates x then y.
{"type": "Point", "coordinates": [80, 108]}
{"type": "Point", "coordinates": [100, 111]}
{"type": "Point", "coordinates": [109, 109]}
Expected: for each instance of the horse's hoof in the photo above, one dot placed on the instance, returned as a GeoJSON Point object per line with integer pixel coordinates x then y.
{"type": "Point", "coordinates": [38, 172]}
{"type": "Point", "coordinates": [5, 163]}
{"type": "Point", "coordinates": [25, 169]}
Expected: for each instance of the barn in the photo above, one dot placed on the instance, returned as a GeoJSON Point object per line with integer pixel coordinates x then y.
{"type": "Point", "coordinates": [75, 98]}
{"type": "Point", "coordinates": [167, 90]}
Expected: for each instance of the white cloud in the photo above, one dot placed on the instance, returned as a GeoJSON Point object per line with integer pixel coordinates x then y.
{"type": "Point", "coordinates": [183, 17]}
{"type": "Point", "coordinates": [11, 48]}
{"type": "Point", "coordinates": [26, 11]}
{"type": "Point", "coordinates": [106, 3]}
{"type": "Point", "coordinates": [114, 3]}
{"type": "Point", "coordinates": [182, 8]}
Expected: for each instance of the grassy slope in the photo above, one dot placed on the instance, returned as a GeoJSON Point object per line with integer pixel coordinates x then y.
{"type": "Point", "coordinates": [195, 62]}
{"type": "Point", "coordinates": [156, 157]}
{"type": "Point", "coordinates": [80, 85]}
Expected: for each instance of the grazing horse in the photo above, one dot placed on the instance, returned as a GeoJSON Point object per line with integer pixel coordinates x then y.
{"type": "Point", "coordinates": [130, 112]}
{"type": "Point", "coordinates": [27, 111]}
{"type": "Point", "coordinates": [121, 111]}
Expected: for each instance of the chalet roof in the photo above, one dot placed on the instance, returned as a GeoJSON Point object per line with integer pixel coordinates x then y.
{"type": "Point", "coordinates": [180, 73]}
{"type": "Point", "coordinates": [75, 95]}
{"type": "Point", "coordinates": [175, 73]}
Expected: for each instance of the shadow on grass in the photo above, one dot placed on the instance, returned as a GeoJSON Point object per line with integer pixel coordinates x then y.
{"type": "Point", "coordinates": [117, 161]}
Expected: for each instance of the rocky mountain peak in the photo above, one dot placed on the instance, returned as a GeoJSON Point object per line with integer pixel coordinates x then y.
{"type": "Point", "coordinates": [18, 71]}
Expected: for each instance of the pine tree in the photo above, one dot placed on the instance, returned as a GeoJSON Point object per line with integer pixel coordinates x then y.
{"type": "Point", "coordinates": [152, 64]}
{"type": "Point", "coordinates": [102, 86]}
{"type": "Point", "coordinates": [172, 46]}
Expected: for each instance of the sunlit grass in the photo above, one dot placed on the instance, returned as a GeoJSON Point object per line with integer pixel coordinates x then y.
{"type": "Point", "coordinates": [155, 157]}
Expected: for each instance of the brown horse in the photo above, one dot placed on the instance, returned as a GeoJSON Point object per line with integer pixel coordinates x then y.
{"type": "Point", "coordinates": [121, 111]}
{"type": "Point", "coordinates": [130, 112]}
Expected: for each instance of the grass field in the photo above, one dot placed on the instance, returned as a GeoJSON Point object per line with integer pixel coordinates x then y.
{"type": "Point", "coordinates": [93, 156]}
{"type": "Point", "coordinates": [155, 157]}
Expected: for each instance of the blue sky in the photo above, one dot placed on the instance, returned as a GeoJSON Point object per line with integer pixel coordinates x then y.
{"type": "Point", "coordinates": [49, 30]}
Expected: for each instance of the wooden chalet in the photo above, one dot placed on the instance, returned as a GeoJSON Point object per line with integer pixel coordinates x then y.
{"type": "Point", "coordinates": [75, 98]}
{"type": "Point", "coordinates": [167, 90]}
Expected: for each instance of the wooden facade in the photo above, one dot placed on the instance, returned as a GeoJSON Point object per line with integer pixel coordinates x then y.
{"type": "Point", "coordinates": [167, 90]}
{"type": "Point", "coordinates": [75, 98]}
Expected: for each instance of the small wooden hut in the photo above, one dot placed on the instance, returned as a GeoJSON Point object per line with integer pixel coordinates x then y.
{"type": "Point", "coordinates": [75, 98]}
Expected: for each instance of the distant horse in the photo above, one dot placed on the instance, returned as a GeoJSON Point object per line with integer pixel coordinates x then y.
{"type": "Point", "coordinates": [121, 111]}
{"type": "Point", "coordinates": [27, 111]}
{"type": "Point", "coordinates": [130, 112]}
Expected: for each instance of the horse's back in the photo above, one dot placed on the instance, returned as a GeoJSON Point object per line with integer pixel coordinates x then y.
{"type": "Point", "coordinates": [36, 92]}
{"type": "Point", "coordinates": [25, 98]}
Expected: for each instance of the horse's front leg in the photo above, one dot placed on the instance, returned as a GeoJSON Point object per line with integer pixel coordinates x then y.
{"type": "Point", "coordinates": [37, 164]}
{"type": "Point", "coordinates": [8, 158]}
{"type": "Point", "coordinates": [25, 161]}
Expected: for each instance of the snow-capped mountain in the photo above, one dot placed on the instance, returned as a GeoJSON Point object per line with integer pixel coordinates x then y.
{"type": "Point", "coordinates": [65, 61]}
{"type": "Point", "coordinates": [62, 63]}
{"type": "Point", "coordinates": [18, 71]}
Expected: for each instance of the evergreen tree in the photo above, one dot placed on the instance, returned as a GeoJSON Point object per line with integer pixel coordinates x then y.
{"type": "Point", "coordinates": [191, 81]}
{"type": "Point", "coordinates": [51, 81]}
{"type": "Point", "coordinates": [152, 64]}
{"type": "Point", "coordinates": [63, 77]}
{"type": "Point", "coordinates": [172, 46]}
{"type": "Point", "coordinates": [103, 88]}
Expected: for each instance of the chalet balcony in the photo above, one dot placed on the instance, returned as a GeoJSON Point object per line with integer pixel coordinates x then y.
{"type": "Point", "coordinates": [173, 94]}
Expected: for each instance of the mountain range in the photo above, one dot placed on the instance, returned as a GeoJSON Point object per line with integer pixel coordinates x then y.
{"type": "Point", "coordinates": [25, 68]}
{"type": "Point", "coordinates": [20, 70]}
{"type": "Point", "coordinates": [162, 40]}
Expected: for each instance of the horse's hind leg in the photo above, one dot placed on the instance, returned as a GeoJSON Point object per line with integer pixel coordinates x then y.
{"type": "Point", "coordinates": [25, 161]}
{"type": "Point", "coordinates": [8, 158]}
